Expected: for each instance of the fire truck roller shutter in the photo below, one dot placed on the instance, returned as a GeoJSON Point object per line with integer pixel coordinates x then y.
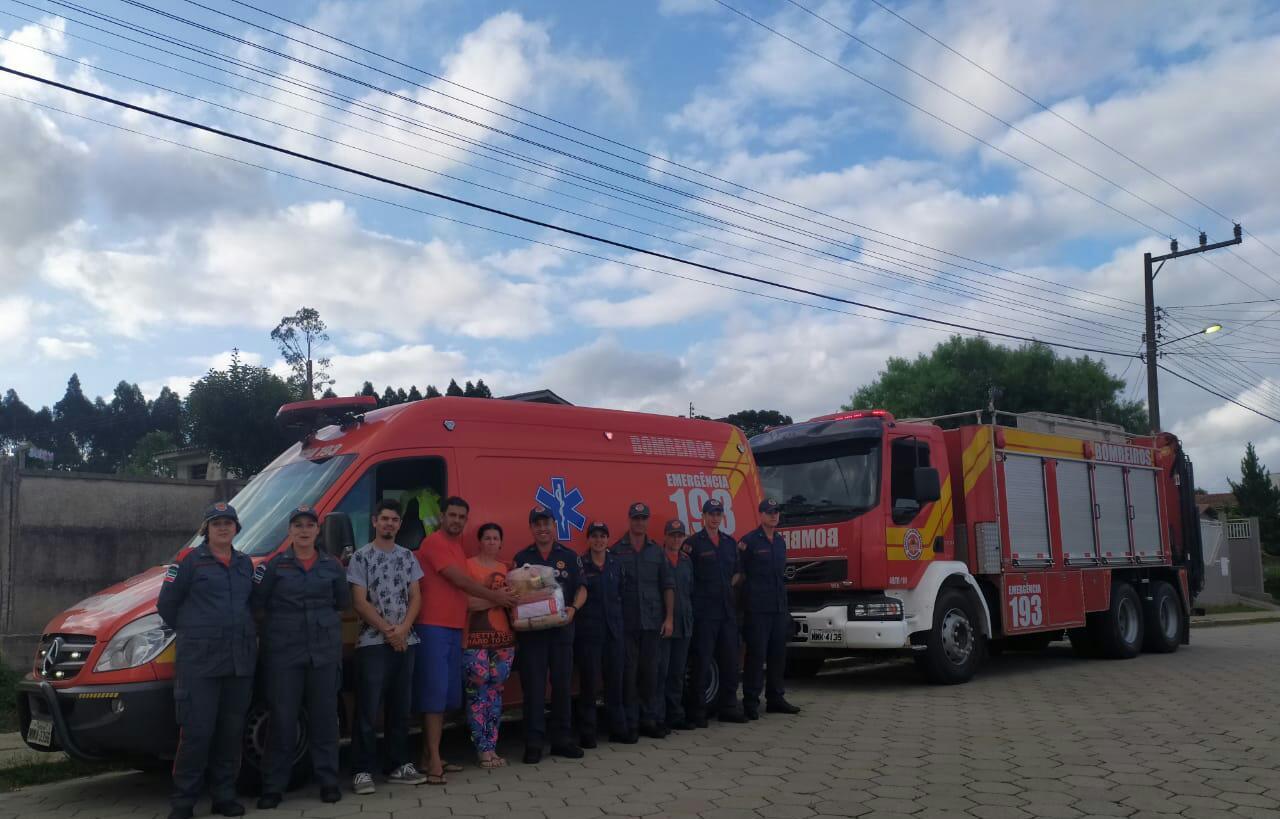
{"type": "Point", "coordinates": [1146, 520]}
{"type": "Point", "coordinates": [1028, 513]}
{"type": "Point", "coordinates": [1075, 509]}
{"type": "Point", "coordinates": [1113, 513]}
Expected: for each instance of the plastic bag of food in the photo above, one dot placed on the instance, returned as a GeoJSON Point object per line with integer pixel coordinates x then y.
{"type": "Point", "coordinates": [534, 615]}
{"type": "Point", "coordinates": [533, 582]}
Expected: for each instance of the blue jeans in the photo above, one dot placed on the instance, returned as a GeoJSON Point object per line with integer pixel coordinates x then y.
{"type": "Point", "coordinates": [384, 677]}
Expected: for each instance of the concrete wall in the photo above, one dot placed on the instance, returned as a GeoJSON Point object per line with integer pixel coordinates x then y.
{"type": "Point", "coordinates": [65, 536]}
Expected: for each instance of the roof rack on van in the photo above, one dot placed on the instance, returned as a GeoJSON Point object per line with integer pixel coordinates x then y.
{"type": "Point", "coordinates": [305, 417]}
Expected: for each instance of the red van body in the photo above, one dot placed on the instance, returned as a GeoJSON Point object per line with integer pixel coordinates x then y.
{"type": "Point", "coordinates": [504, 457]}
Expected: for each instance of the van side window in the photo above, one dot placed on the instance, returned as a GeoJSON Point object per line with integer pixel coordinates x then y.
{"type": "Point", "coordinates": [418, 483]}
{"type": "Point", "coordinates": [906, 455]}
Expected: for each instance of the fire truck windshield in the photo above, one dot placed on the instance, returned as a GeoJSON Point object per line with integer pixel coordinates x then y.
{"type": "Point", "coordinates": [264, 504]}
{"type": "Point", "coordinates": [822, 484]}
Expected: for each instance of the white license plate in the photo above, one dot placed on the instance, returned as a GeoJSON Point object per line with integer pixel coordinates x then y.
{"type": "Point", "coordinates": [826, 636]}
{"type": "Point", "coordinates": [40, 733]}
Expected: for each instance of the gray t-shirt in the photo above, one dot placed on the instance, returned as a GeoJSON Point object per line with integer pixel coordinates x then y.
{"type": "Point", "coordinates": [387, 575]}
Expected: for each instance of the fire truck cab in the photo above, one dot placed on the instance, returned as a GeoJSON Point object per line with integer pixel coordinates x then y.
{"type": "Point", "coordinates": [957, 536]}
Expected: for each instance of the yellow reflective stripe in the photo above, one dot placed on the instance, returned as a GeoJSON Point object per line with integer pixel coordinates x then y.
{"type": "Point", "coordinates": [734, 465]}
{"type": "Point", "coordinates": [939, 519]}
{"type": "Point", "coordinates": [1041, 444]}
{"type": "Point", "coordinates": [976, 459]}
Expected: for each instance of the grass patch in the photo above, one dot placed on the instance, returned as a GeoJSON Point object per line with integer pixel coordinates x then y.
{"type": "Point", "coordinates": [26, 775]}
{"type": "Point", "coordinates": [1271, 578]}
{"type": "Point", "coordinates": [8, 698]}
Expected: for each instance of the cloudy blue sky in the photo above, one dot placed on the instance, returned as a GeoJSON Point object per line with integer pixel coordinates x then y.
{"type": "Point", "coordinates": [124, 256]}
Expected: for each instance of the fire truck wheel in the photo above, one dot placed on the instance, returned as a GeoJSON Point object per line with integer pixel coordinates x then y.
{"type": "Point", "coordinates": [1164, 620]}
{"type": "Point", "coordinates": [1118, 631]}
{"type": "Point", "coordinates": [955, 644]}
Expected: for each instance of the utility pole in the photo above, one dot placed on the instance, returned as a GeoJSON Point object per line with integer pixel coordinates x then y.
{"type": "Point", "coordinates": [1150, 336]}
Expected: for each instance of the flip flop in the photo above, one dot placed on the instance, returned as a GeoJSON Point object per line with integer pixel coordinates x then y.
{"type": "Point", "coordinates": [436, 779]}
{"type": "Point", "coordinates": [490, 764]}
{"type": "Point", "coordinates": [452, 767]}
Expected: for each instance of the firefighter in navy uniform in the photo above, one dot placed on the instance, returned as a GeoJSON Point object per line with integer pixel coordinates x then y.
{"type": "Point", "coordinates": [716, 571]}
{"type": "Point", "coordinates": [205, 599]}
{"type": "Point", "coordinates": [598, 643]}
{"type": "Point", "coordinates": [648, 599]}
{"type": "Point", "coordinates": [549, 649]}
{"type": "Point", "coordinates": [299, 596]}
{"type": "Point", "coordinates": [768, 617]}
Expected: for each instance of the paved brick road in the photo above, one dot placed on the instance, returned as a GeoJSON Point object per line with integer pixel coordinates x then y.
{"type": "Point", "coordinates": [1196, 734]}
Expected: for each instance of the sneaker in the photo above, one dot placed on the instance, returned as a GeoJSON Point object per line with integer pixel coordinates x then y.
{"type": "Point", "coordinates": [362, 783]}
{"type": "Point", "coordinates": [406, 774]}
{"type": "Point", "coordinates": [332, 793]}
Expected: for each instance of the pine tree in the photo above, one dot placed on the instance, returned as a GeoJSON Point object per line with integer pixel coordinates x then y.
{"type": "Point", "coordinates": [469, 390]}
{"type": "Point", "coordinates": [1257, 496]}
{"type": "Point", "coordinates": [454, 389]}
{"type": "Point", "coordinates": [388, 398]}
{"type": "Point", "coordinates": [413, 395]}
{"type": "Point", "coordinates": [432, 392]}
{"type": "Point", "coordinates": [482, 390]}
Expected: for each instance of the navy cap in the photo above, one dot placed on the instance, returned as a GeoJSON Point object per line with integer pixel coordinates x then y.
{"type": "Point", "coordinates": [539, 513]}
{"type": "Point", "coordinates": [221, 509]}
{"type": "Point", "coordinates": [673, 527]}
{"type": "Point", "coordinates": [637, 510]}
{"type": "Point", "coordinates": [597, 526]}
{"type": "Point", "coordinates": [770, 506]}
{"type": "Point", "coordinates": [304, 511]}
{"type": "Point", "coordinates": [713, 505]}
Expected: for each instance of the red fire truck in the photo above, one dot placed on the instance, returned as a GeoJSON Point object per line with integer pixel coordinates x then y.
{"type": "Point", "coordinates": [101, 685]}
{"type": "Point", "coordinates": [952, 537]}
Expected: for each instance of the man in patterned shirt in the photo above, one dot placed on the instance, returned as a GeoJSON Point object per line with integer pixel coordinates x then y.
{"type": "Point", "coordinates": [384, 590]}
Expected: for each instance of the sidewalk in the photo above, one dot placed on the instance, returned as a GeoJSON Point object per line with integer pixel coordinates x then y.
{"type": "Point", "coordinates": [1240, 618]}
{"type": "Point", "coordinates": [14, 752]}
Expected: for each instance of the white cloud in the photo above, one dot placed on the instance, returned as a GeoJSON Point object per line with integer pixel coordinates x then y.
{"type": "Point", "coordinates": [400, 367]}
{"type": "Point", "coordinates": [15, 322]}
{"type": "Point", "coordinates": [57, 349]}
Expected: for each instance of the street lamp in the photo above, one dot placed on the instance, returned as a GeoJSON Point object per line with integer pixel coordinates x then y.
{"type": "Point", "coordinates": [1210, 330]}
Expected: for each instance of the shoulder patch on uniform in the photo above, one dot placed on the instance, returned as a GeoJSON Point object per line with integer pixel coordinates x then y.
{"type": "Point", "coordinates": [259, 573]}
{"type": "Point", "coordinates": [171, 573]}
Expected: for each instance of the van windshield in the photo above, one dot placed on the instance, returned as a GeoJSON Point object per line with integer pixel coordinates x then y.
{"type": "Point", "coordinates": [264, 504]}
{"type": "Point", "coordinates": [822, 484]}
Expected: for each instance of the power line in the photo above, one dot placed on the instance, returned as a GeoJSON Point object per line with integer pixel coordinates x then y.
{"type": "Point", "coordinates": [684, 212]}
{"type": "Point", "coordinates": [518, 217]}
{"type": "Point", "coordinates": [1221, 395]}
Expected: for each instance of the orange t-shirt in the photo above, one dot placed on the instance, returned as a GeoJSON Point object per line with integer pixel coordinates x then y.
{"type": "Point", "coordinates": [443, 604]}
{"type": "Point", "coordinates": [309, 562]}
{"type": "Point", "coordinates": [489, 628]}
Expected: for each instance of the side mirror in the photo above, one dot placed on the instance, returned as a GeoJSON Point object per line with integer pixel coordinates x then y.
{"type": "Point", "coordinates": [337, 537]}
{"type": "Point", "coordinates": [928, 487]}
{"type": "Point", "coordinates": [905, 510]}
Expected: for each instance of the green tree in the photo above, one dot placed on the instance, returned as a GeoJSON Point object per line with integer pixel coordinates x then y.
{"type": "Point", "coordinates": [368, 390]}
{"type": "Point", "coordinates": [454, 390]}
{"type": "Point", "coordinates": [413, 394]}
{"type": "Point", "coordinates": [432, 392]}
{"type": "Point", "coordinates": [329, 393]}
{"type": "Point", "coordinates": [232, 412]}
{"type": "Point", "coordinates": [297, 336]}
{"type": "Point", "coordinates": [388, 397]}
{"type": "Point", "coordinates": [961, 373]}
{"type": "Point", "coordinates": [75, 420]}
{"type": "Point", "coordinates": [165, 413]}
{"type": "Point", "coordinates": [480, 389]}
{"type": "Point", "coordinates": [17, 420]}
{"type": "Point", "coordinates": [1257, 496]}
{"type": "Point", "coordinates": [127, 421]}
{"type": "Point", "coordinates": [142, 460]}
{"type": "Point", "coordinates": [754, 422]}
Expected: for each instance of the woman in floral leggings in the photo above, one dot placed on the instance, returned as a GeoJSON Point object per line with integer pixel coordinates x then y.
{"type": "Point", "coordinates": [488, 649]}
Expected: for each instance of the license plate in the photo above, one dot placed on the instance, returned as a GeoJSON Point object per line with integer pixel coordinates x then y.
{"type": "Point", "coordinates": [826, 636]}
{"type": "Point", "coordinates": [40, 733]}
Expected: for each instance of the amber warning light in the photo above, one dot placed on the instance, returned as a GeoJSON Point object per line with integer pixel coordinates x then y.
{"type": "Point", "coordinates": [846, 416]}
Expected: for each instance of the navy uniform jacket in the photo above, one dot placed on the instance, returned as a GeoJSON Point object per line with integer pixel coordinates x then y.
{"type": "Point", "coordinates": [601, 615]}
{"type": "Point", "coordinates": [302, 623]}
{"type": "Point", "coordinates": [682, 622]}
{"type": "Point", "coordinates": [563, 560]}
{"type": "Point", "coordinates": [713, 571]}
{"type": "Point", "coordinates": [763, 560]}
{"type": "Point", "coordinates": [646, 575]}
{"type": "Point", "coordinates": [207, 604]}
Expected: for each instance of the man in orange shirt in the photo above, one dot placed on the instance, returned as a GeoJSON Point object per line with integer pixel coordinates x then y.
{"type": "Point", "coordinates": [445, 585]}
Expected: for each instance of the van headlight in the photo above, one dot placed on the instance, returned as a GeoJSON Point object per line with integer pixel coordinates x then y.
{"type": "Point", "coordinates": [136, 644]}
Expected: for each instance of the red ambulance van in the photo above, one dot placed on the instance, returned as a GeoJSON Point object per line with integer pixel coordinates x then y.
{"type": "Point", "coordinates": [101, 685]}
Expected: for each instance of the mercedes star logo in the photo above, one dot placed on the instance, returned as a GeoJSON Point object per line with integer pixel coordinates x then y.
{"type": "Point", "coordinates": [50, 657]}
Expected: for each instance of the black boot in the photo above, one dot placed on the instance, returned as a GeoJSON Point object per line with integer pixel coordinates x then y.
{"type": "Point", "coordinates": [751, 711]}
{"type": "Point", "coordinates": [330, 793]}
{"type": "Point", "coordinates": [183, 812]}
{"type": "Point", "coordinates": [228, 807]}
{"type": "Point", "coordinates": [269, 801]}
{"type": "Point", "coordinates": [782, 707]}
{"type": "Point", "coordinates": [587, 741]}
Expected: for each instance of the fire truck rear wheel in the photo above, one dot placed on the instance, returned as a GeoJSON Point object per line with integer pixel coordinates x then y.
{"type": "Point", "coordinates": [955, 644]}
{"type": "Point", "coordinates": [1164, 620]}
{"type": "Point", "coordinates": [1119, 630]}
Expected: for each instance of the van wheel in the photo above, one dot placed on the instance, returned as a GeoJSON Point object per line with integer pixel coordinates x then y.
{"type": "Point", "coordinates": [1164, 618]}
{"type": "Point", "coordinates": [955, 644]}
{"type": "Point", "coordinates": [253, 752]}
{"type": "Point", "coordinates": [803, 666]}
{"type": "Point", "coordinates": [1118, 631]}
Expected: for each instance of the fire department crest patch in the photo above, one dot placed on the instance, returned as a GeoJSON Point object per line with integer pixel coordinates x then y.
{"type": "Point", "coordinates": [259, 573]}
{"type": "Point", "coordinates": [171, 573]}
{"type": "Point", "coordinates": [912, 544]}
